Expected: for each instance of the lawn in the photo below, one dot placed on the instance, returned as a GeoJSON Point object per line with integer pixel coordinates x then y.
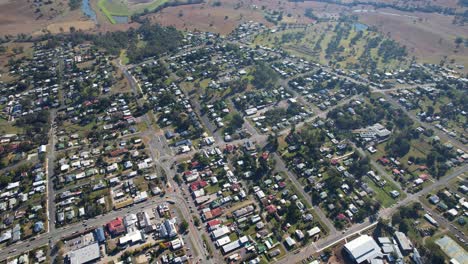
{"type": "Point", "coordinates": [212, 188]}
{"type": "Point", "coordinates": [81, 130]}
{"type": "Point", "coordinates": [381, 194]}
{"type": "Point", "coordinates": [8, 128]}
{"type": "Point", "coordinates": [123, 57]}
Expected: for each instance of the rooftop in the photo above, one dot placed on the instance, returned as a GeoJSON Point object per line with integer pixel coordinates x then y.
{"type": "Point", "coordinates": [85, 254]}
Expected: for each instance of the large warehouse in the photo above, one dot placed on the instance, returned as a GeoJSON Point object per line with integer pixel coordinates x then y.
{"type": "Point", "coordinates": [363, 248]}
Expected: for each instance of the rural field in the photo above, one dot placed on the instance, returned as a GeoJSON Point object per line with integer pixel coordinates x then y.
{"type": "Point", "coordinates": [224, 15]}
{"type": "Point", "coordinates": [23, 16]}
{"type": "Point", "coordinates": [429, 37]}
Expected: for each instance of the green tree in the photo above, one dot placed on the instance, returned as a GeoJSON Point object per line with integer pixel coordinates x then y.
{"type": "Point", "coordinates": [273, 142]}
{"type": "Point", "coordinates": [236, 122]}
{"type": "Point", "coordinates": [293, 214]}
{"type": "Point", "coordinates": [183, 227]}
{"type": "Point", "coordinates": [264, 76]}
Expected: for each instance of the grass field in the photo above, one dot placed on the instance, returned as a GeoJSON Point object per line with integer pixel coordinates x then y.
{"type": "Point", "coordinates": [124, 8]}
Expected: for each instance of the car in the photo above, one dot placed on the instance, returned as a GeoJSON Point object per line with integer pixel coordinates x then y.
{"type": "Point", "coordinates": [12, 251]}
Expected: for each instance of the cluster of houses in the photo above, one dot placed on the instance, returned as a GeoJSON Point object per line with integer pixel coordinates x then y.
{"type": "Point", "coordinates": [246, 32]}
{"type": "Point", "coordinates": [452, 203]}
{"type": "Point", "coordinates": [275, 197]}
{"type": "Point", "coordinates": [110, 161]}
{"type": "Point", "coordinates": [251, 102]}
{"type": "Point", "coordinates": [21, 209]}
{"type": "Point", "coordinates": [447, 118]}
{"type": "Point", "coordinates": [274, 120]}
{"type": "Point", "coordinates": [116, 173]}
{"type": "Point", "coordinates": [288, 68]}
{"type": "Point", "coordinates": [350, 196]}
{"type": "Point", "coordinates": [236, 225]}
{"type": "Point", "coordinates": [86, 69]}
{"type": "Point", "coordinates": [35, 85]}
{"type": "Point", "coordinates": [170, 104]}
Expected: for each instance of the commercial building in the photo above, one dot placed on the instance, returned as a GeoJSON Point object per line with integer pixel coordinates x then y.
{"type": "Point", "coordinates": [220, 232]}
{"type": "Point", "coordinates": [168, 229]}
{"type": "Point", "coordinates": [85, 254]}
{"type": "Point", "coordinates": [363, 248]}
{"type": "Point", "coordinates": [116, 226]}
{"type": "Point", "coordinates": [131, 238]}
{"type": "Point", "coordinates": [403, 242]}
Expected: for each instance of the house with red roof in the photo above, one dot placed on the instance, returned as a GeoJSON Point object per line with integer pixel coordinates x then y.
{"type": "Point", "coordinates": [212, 214]}
{"type": "Point", "coordinates": [424, 177]}
{"type": "Point", "coordinates": [116, 226]}
{"type": "Point", "coordinates": [341, 216]}
{"type": "Point", "coordinates": [384, 161]}
{"type": "Point", "coordinates": [229, 148]}
{"type": "Point", "coordinates": [118, 152]}
{"type": "Point", "coordinates": [271, 209]}
{"type": "Point", "coordinates": [212, 224]}
{"type": "Point", "coordinates": [194, 186]}
{"type": "Point", "coordinates": [194, 164]}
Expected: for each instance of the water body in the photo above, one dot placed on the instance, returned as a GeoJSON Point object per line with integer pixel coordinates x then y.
{"type": "Point", "coordinates": [120, 19]}
{"type": "Point", "coordinates": [360, 27]}
{"type": "Point", "coordinates": [88, 10]}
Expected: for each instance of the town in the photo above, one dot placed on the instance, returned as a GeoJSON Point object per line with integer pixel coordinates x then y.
{"type": "Point", "coordinates": [228, 150]}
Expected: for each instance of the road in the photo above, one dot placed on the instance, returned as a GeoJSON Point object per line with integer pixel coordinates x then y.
{"type": "Point", "coordinates": [375, 165]}
{"type": "Point", "coordinates": [50, 165]}
{"type": "Point", "coordinates": [157, 144]}
{"type": "Point", "coordinates": [61, 233]}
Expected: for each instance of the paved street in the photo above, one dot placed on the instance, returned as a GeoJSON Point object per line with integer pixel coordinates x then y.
{"type": "Point", "coordinates": [50, 164]}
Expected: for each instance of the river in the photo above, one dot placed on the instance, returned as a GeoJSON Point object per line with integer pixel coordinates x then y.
{"type": "Point", "coordinates": [88, 10]}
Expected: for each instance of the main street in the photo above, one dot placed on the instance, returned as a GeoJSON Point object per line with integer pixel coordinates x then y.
{"type": "Point", "coordinates": [59, 234]}
{"type": "Point", "coordinates": [158, 143]}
